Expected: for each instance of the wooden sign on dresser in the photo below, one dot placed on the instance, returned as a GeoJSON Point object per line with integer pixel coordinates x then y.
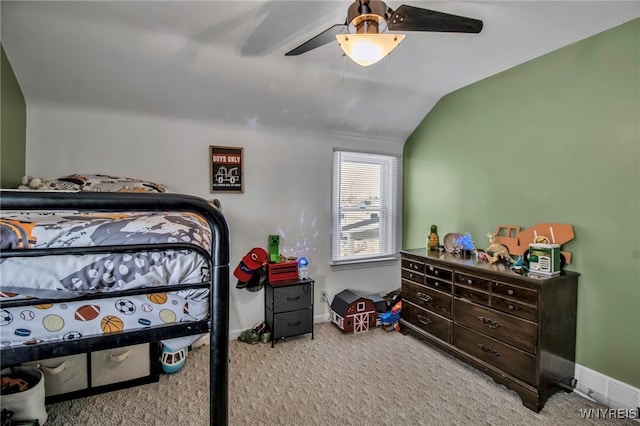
{"type": "Point", "coordinates": [518, 329]}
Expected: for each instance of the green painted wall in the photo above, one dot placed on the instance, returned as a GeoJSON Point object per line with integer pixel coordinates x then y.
{"type": "Point", "coordinates": [556, 139]}
{"type": "Point", "coordinates": [13, 126]}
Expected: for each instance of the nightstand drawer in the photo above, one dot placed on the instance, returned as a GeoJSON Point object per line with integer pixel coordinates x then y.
{"type": "Point", "coordinates": [288, 308]}
{"type": "Point", "coordinates": [293, 323]}
{"type": "Point", "coordinates": [514, 331]}
{"type": "Point", "coordinates": [425, 297]}
{"type": "Point", "coordinates": [291, 298]}
{"type": "Point", "coordinates": [431, 323]}
{"type": "Point", "coordinates": [120, 364]}
{"type": "Point", "coordinates": [509, 359]}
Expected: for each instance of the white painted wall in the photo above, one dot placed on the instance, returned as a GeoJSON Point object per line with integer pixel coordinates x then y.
{"type": "Point", "coordinates": [287, 183]}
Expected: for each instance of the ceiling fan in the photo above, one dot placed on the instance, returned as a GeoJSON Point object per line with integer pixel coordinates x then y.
{"type": "Point", "coordinates": [364, 37]}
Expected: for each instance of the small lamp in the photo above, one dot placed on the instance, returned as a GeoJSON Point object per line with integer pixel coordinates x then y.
{"type": "Point", "coordinates": [303, 268]}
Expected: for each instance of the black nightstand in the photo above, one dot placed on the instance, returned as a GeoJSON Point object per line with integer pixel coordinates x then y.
{"type": "Point", "coordinates": [288, 308]}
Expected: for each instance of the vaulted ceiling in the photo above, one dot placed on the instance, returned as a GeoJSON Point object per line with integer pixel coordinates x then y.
{"type": "Point", "coordinates": [224, 60]}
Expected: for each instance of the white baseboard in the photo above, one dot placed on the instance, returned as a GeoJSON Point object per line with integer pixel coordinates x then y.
{"type": "Point", "coordinates": [606, 390]}
{"type": "Point", "coordinates": [319, 319]}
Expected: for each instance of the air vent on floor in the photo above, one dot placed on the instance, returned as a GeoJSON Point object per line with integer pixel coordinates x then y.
{"type": "Point", "coordinates": [606, 390]}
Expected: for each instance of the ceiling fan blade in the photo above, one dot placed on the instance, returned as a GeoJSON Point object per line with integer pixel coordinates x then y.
{"type": "Point", "coordinates": [327, 36]}
{"type": "Point", "coordinates": [277, 28]}
{"type": "Point", "coordinates": [409, 18]}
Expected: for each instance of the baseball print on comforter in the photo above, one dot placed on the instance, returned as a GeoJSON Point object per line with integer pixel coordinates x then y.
{"type": "Point", "coordinates": [65, 276]}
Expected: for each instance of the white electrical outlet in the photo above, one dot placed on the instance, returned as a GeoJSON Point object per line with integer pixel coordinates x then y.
{"type": "Point", "coordinates": [325, 296]}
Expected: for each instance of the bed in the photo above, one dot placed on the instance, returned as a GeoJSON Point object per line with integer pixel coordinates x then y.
{"type": "Point", "coordinates": [89, 271]}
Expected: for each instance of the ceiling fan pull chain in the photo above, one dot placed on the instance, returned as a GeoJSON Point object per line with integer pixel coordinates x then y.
{"type": "Point", "coordinates": [344, 67]}
{"type": "Point", "coordinates": [388, 67]}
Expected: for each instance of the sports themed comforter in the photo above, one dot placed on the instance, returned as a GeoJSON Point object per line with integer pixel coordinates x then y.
{"type": "Point", "coordinates": [65, 276]}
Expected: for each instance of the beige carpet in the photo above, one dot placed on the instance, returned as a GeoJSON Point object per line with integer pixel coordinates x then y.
{"type": "Point", "coordinates": [373, 378]}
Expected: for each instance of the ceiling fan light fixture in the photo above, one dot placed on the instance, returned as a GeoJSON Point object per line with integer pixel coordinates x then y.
{"type": "Point", "coordinates": [367, 49]}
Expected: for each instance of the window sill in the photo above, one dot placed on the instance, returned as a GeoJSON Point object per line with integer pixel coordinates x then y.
{"type": "Point", "coordinates": [365, 263]}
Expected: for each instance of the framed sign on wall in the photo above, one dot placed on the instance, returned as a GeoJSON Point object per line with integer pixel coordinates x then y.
{"type": "Point", "coordinates": [226, 169]}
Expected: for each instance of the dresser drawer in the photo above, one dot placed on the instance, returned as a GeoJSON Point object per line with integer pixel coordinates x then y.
{"type": "Point", "coordinates": [437, 272]}
{"type": "Point", "coordinates": [412, 265]}
{"type": "Point", "coordinates": [414, 276]}
{"type": "Point", "coordinates": [514, 292]}
{"type": "Point", "coordinates": [427, 321]}
{"type": "Point", "coordinates": [505, 357]}
{"type": "Point", "coordinates": [519, 333]}
{"type": "Point", "coordinates": [471, 281]}
{"type": "Point", "coordinates": [438, 284]}
{"type": "Point", "coordinates": [473, 295]}
{"type": "Point", "coordinates": [293, 323]}
{"type": "Point", "coordinates": [120, 364]}
{"type": "Point", "coordinates": [291, 298]}
{"type": "Point", "coordinates": [428, 298]}
{"type": "Point", "coordinates": [522, 310]}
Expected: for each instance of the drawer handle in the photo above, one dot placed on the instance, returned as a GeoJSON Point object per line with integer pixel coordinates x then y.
{"type": "Point", "coordinates": [293, 298]}
{"type": "Point", "coordinates": [414, 266]}
{"type": "Point", "coordinates": [510, 292]}
{"type": "Point", "coordinates": [470, 281]}
{"type": "Point", "coordinates": [121, 357]}
{"type": "Point", "coordinates": [424, 319]}
{"type": "Point", "coordinates": [431, 268]}
{"type": "Point", "coordinates": [511, 307]}
{"type": "Point", "coordinates": [294, 324]}
{"type": "Point", "coordinates": [425, 297]}
{"type": "Point", "coordinates": [436, 283]}
{"type": "Point", "coordinates": [489, 323]}
{"type": "Point", "coordinates": [55, 370]}
{"type": "Point", "coordinates": [411, 275]}
{"type": "Point", "coordinates": [437, 272]}
{"type": "Point", "coordinates": [492, 353]}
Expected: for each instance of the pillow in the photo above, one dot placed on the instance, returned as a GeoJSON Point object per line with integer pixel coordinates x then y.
{"type": "Point", "coordinates": [106, 183]}
{"type": "Point", "coordinates": [40, 184]}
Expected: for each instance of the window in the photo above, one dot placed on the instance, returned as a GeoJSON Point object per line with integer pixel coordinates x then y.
{"type": "Point", "coordinates": [365, 200]}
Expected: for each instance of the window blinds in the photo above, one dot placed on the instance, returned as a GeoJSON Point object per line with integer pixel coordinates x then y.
{"type": "Point", "coordinates": [364, 205]}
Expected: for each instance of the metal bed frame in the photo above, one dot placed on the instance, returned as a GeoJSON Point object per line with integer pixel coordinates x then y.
{"type": "Point", "coordinates": [217, 324]}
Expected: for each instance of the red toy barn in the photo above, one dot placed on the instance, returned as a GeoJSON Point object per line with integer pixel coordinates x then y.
{"type": "Point", "coordinates": [353, 313]}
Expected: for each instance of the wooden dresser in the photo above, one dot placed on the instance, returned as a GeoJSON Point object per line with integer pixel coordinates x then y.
{"type": "Point", "coordinates": [518, 329]}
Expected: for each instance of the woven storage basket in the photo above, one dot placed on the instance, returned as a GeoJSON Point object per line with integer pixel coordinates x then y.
{"type": "Point", "coordinates": [28, 404]}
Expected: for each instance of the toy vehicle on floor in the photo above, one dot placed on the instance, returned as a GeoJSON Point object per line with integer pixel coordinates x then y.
{"type": "Point", "coordinates": [173, 361]}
